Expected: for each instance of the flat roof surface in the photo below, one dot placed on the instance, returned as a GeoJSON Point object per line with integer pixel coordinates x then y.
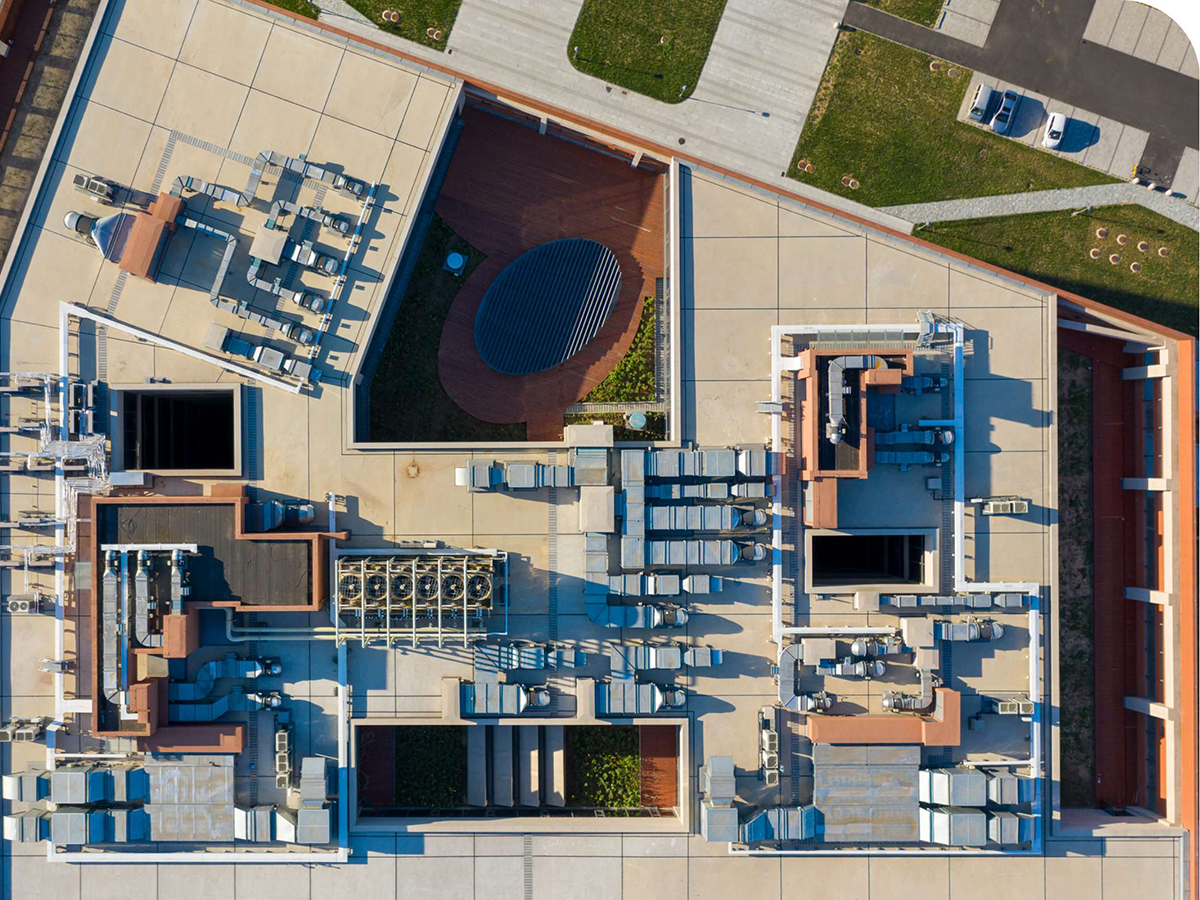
{"type": "Point", "coordinates": [210, 74]}
{"type": "Point", "coordinates": [262, 572]}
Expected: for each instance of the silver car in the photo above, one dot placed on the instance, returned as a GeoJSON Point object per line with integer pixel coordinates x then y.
{"type": "Point", "coordinates": [1056, 127]}
{"type": "Point", "coordinates": [1004, 116]}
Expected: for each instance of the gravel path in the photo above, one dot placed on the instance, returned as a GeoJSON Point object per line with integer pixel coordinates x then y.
{"type": "Point", "coordinates": [1044, 201]}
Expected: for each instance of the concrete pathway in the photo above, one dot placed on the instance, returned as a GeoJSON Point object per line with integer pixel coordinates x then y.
{"type": "Point", "coordinates": [747, 111]}
{"type": "Point", "coordinates": [1046, 201]}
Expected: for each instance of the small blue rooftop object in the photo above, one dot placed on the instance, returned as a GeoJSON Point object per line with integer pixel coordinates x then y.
{"type": "Point", "coordinates": [546, 305]}
{"type": "Point", "coordinates": [455, 263]}
{"type": "Point", "coordinates": [636, 421]}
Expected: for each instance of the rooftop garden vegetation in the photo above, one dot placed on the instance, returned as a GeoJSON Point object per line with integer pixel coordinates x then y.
{"type": "Point", "coordinates": [604, 767]}
{"type": "Point", "coordinates": [408, 402]}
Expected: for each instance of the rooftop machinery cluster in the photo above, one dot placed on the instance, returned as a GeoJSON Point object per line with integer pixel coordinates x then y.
{"type": "Point", "coordinates": [137, 242]}
{"type": "Point", "coordinates": [645, 517]}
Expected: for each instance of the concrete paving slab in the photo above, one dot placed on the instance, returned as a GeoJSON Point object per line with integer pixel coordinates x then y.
{"type": "Point", "coordinates": [654, 878]}
{"type": "Point", "coordinates": [1102, 21]}
{"type": "Point", "coordinates": [709, 880]}
{"type": "Point", "coordinates": [963, 27]}
{"type": "Point", "coordinates": [805, 283]}
{"type": "Point", "coordinates": [1187, 177]}
{"type": "Point", "coordinates": [720, 413]}
{"type": "Point", "coordinates": [371, 94]}
{"type": "Point", "coordinates": [104, 157]}
{"type": "Point", "coordinates": [1005, 414]}
{"type": "Point", "coordinates": [1128, 152]}
{"type": "Point", "coordinates": [1072, 874]}
{"type": "Point", "coordinates": [33, 878]}
{"type": "Point", "coordinates": [157, 26]}
{"type": "Point", "coordinates": [727, 344]}
{"type": "Point", "coordinates": [1175, 48]}
{"type": "Point", "coordinates": [269, 123]}
{"type": "Point", "coordinates": [716, 281]}
{"type": "Point", "coordinates": [1128, 27]}
{"type": "Point", "coordinates": [274, 882]}
{"type": "Point", "coordinates": [226, 41]}
{"type": "Point", "coordinates": [201, 104]}
{"type": "Point", "coordinates": [497, 877]}
{"type": "Point", "coordinates": [424, 111]}
{"type": "Point", "coordinates": [298, 68]}
{"type": "Point", "coordinates": [721, 210]}
{"type": "Point", "coordinates": [426, 877]}
{"type": "Point", "coordinates": [900, 277]}
{"type": "Point", "coordinates": [1190, 66]}
{"type": "Point", "coordinates": [1104, 146]}
{"type": "Point", "coordinates": [132, 79]}
{"type": "Point", "coordinates": [1154, 33]}
{"type": "Point", "coordinates": [1152, 876]}
{"type": "Point", "coordinates": [555, 877]}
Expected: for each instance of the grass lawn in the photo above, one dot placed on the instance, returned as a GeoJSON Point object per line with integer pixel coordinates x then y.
{"type": "Point", "coordinates": [604, 766]}
{"type": "Point", "coordinates": [1076, 658]}
{"type": "Point", "coordinates": [923, 12]}
{"type": "Point", "coordinates": [653, 47]}
{"type": "Point", "coordinates": [1053, 247]}
{"type": "Point", "coordinates": [300, 7]}
{"type": "Point", "coordinates": [882, 117]}
{"type": "Point", "coordinates": [416, 18]}
{"type": "Point", "coordinates": [407, 399]}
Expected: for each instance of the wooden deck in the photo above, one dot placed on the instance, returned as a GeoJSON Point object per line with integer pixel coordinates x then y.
{"type": "Point", "coordinates": [660, 762]}
{"type": "Point", "coordinates": [508, 190]}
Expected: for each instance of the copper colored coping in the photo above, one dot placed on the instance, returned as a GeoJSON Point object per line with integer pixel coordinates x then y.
{"type": "Point", "coordinates": [141, 249]}
{"type": "Point", "coordinates": [218, 737]}
{"type": "Point", "coordinates": [893, 728]}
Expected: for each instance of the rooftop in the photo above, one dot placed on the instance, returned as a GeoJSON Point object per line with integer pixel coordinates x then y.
{"type": "Point", "coordinates": [671, 585]}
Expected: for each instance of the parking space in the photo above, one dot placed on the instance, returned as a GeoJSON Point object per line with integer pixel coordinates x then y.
{"type": "Point", "coordinates": [1089, 139]}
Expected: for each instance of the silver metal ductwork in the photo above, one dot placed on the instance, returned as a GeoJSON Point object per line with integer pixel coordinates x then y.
{"type": "Point", "coordinates": [835, 422]}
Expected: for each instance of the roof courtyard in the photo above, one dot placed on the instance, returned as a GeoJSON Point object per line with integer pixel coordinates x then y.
{"type": "Point", "coordinates": [802, 630]}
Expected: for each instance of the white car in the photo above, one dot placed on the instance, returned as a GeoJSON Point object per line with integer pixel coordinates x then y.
{"type": "Point", "coordinates": [1056, 127]}
{"type": "Point", "coordinates": [1004, 116]}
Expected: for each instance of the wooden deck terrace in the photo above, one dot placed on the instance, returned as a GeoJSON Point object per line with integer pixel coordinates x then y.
{"type": "Point", "coordinates": [510, 189]}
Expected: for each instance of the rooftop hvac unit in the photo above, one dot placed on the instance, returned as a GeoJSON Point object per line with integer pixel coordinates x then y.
{"type": "Point", "coordinates": [8, 733]}
{"type": "Point", "coordinates": [770, 777]}
{"type": "Point", "coordinates": [29, 733]}
{"type": "Point", "coordinates": [283, 780]}
{"type": "Point", "coordinates": [282, 740]}
{"type": "Point", "coordinates": [23, 604]}
{"type": "Point", "coordinates": [1025, 707]}
{"type": "Point", "coordinates": [479, 588]}
{"type": "Point", "coordinates": [453, 588]}
{"type": "Point", "coordinates": [350, 589]}
{"type": "Point", "coordinates": [402, 587]}
{"type": "Point", "coordinates": [376, 587]}
{"type": "Point", "coordinates": [282, 763]}
{"type": "Point", "coordinates": [769, 759]}
{"type": "Point", "coordinates": [427, 585]}
{"type": "Point", "coordinates": [1008, 707]}
{"type": "Point", "coordinates": [769, 739]}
